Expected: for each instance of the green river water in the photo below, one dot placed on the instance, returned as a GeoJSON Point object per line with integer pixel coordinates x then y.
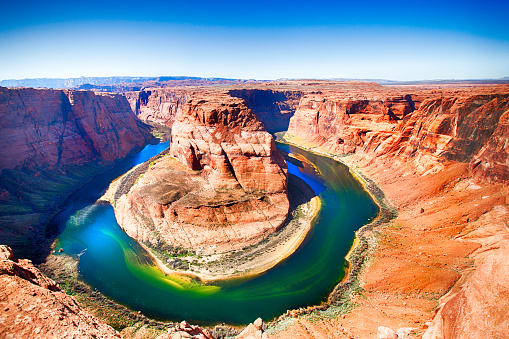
{"type": "Point", "coordinates": [120, 268]}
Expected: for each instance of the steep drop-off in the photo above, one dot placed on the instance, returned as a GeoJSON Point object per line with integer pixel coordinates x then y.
{"type": "Point", "coordinates": [274, 108]}
{"type": "Point", "coordinates": [444, 167]}
{"type": "Point", "coordinates": [222, 187]}
{"type": "Point", "coordinates": [34, 306]}
{"type": "Point", "coordinates": [464, 127]}
{"type": "Point", "coordinates": [158, 105]}
{"type": "Point", "coordinates": [54, 141]}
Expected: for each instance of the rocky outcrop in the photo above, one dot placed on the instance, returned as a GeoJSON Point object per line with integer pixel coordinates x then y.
{"type": "Point", "coordinates": [444, 166]}
{"type": "Point", "coordinates": [54, 141]}
{"type": "Point", "coordinates": [255, 330]}
{"type": "Point", "coordinates": [222, 138]}
{"type": "Point", "coordinates": [185, 330]}
{"type": "Point", "coordinates": [34, 306]}
{"type": "Point", "coordinates": [224, 187]}
{"type": "Point", "coordinates": [158, 105]}
{"type": "Point", "coordinates": [479, 308]}
{"type": "Point", "coordinates": [47, 128]}
{"type": "Point", "coordinates": [340, 123]}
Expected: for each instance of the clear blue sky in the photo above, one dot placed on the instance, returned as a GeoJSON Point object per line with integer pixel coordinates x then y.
{"type": "Point", "coordinates": [400, 40]}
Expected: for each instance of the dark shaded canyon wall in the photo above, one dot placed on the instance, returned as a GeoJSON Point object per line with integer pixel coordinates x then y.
{"type": "Point", "coordinates": [52, 142]}
{"type": "Point", "coordinates": [446, 126]}
{"type": "Point", "coordinates": [272, 107]}
{"type": "Point", "coordinates": [158, 105]}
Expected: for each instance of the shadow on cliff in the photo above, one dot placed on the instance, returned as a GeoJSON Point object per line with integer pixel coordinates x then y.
{"type": "Point", "coordinates": [298, 192]}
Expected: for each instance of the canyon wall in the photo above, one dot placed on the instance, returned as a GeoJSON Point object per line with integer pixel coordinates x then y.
{"type": "Point", "coordinates": [274, 108]}
{"type": "Point", "coordinates": [222, 187]}
{"type": "Point", "coordinates": [444, 166]}
{"type": "Point", "coordinates": [158, 105]}
{"type": "Point", "coordinates": [428, 129]}
{"type": "Point", "coordinates": [54, 141]}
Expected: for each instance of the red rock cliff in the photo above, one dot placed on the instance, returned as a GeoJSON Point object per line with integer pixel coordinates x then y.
{"type": "Point", "coordinates": [226, 191]}
{"type": "Point", "coordinates": [54, 141]}
{"type": "Point", "coordinates": [158, 104]}
{"type": "Point", "coordinates": [34, 306]}
{"type": "Point", "coordinates": [274, 108]}
{"type": "Point", "coordinates": [53, 128]}
{"type": "Point", "coordinates": [222, 137]}
{"type": "Point", "coordinates": [428, 128]}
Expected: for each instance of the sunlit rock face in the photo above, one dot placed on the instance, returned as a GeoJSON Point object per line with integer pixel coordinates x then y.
{"type": "Point", "coordinates": [425, 128]}
{"type": "Point", "coordinates": [34, 306]}
{"type": "Point", "coordinates": [222, 187]}
{"type": "Point", "coordinates": [159, 105]}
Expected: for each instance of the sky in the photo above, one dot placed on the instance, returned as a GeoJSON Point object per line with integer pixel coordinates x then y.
{"type": "Point", "coordinates": [264, 40]}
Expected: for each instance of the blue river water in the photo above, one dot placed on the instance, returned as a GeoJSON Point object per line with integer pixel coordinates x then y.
{"type": "Point", "coordinates": [121, 269]}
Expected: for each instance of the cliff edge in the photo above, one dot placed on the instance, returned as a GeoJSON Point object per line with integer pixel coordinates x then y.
{"type": "Point", "coordinates": [222, 187]}
{"type": "Point", "coordinates": [53, 142]}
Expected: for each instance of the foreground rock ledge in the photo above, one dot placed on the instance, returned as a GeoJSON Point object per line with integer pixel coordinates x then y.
{"type": "Point", "coordinates": [34, 306]}
{"type": "Point", "coordinates": [223, 187]}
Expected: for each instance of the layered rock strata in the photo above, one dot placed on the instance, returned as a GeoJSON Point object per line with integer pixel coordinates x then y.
{"type": "Point", "coordinates": [158, 105]}
{"type": "Point", "coordinates": [34, 306]}
{"type": "Point", "coordinates": [468, 126]}
{"type": "Point", "coordinates": [223, 186]}
{"type": "Point", "coordinates": [443, 166]}
{"type": "Point", "coordinates": [340, 123]}
{"type": "Point", "coordinates": [274, 108]}
{"type": "Point", "coordinates": [54, 141]}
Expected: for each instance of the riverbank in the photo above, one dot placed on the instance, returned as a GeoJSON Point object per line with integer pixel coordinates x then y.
{"type": "Point", "coordinates": [247, 262]}
{"type": "Point", "coordinates": [411, 265]}
{"type": "Point", "coordinates": [339, 301]}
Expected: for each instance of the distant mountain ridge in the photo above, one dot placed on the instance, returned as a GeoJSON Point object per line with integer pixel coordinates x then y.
{"type": "Point", "coordinates": [62, 83]}
{"type": "Point", "coordinates": [129, 83]}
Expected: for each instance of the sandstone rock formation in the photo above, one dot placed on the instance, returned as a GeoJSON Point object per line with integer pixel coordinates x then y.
{"type": "Point", "coordinates": [340, 122]}
{"type": "Point", "coordinates": [428, 128]}
{"type": "Point", "coordinates": [479, 308]}
{"type": "Point", "coordinates": [226, 191]}
{"type": "Point", "coordinates": [222, 138]}
{"type": "Point", "coordinates": [443, 166]}
{"type": "Point", "coordinates": [54, 128]}
{"type": "Point", "coordinates": [254, 330]}
{"type": "Point", "coordinates": [185, 330]}
{"type": "Point", "coordinates": [158, 105]}
{"type": "Point", "coordinates": [274, 108]}
{"type": "Point", "coordinates": [34, 306]}
{"type": "Point", "coordinates": [54, 141]}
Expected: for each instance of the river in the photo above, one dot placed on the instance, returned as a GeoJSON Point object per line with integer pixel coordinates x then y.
{"type": "Point", "coordinates": [120, 268]}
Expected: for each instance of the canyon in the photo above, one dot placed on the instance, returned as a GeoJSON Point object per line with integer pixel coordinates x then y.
{"type": "Point", "coordinates": [53, 142]}
{"type": "Point", "coordinates": [438, 153]}
{"type": "Point", "coordinates": [222, 186]}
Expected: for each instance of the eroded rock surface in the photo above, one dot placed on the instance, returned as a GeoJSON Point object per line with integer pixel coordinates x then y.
{"type": "Point", "coordinates": [442, 166]}
{"type": "Point", "coordinates": [428, 127]}
{"type": "Point", "coordinates": [159, 105]}
{"type": "Point", "coordinates": [34, 306]}
{"type": "Point", "coordinates": [224, 186]}
{"type": "Point", "coordinates": [52, 142]}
